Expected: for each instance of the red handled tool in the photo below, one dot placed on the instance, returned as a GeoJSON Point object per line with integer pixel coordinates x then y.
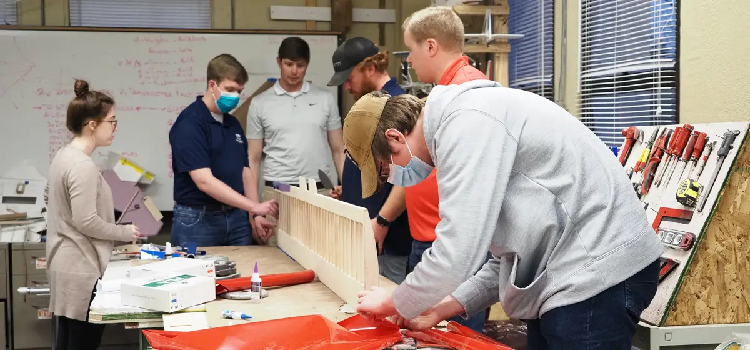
{"type": "Point", "coordinates": [630, 135]}
{"type": "Point", "coordinates": [649, 173]}
{"type": "Point", "coordinates": [681, 140]}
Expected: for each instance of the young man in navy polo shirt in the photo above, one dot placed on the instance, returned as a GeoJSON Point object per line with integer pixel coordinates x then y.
{"type": "Point", "coordinates": [361, 68]}
{"type": "Point", "coordinates": [210, 164]}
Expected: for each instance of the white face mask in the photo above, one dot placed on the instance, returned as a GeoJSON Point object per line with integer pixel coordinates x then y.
{"type": "Point", "coordinates": [413, 173]}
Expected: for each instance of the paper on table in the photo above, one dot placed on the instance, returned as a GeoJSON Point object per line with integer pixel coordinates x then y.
{"type": "Point", "coordinates": [111, 303]}
{"type": "Point", "coordinates": [108, 286]}
{"type": "Point", "coordinates": [185, 322]}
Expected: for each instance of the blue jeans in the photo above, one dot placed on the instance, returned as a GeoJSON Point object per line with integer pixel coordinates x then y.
{"type": "Point", "coordinates": [210, 228]}
{"type": "Point", "coordinates": [605, 321]}
{"type": "Point", "coordinates": [475, 322]}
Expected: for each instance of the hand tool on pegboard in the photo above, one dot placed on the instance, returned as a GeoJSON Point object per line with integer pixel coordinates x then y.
{"type": "Point", "coordinates": [673, 213]}
{"type": "Point", "coordinates": [668, 153]}
{"type": "Point", "coordinates": [721, 154]}
{"type": "Point", "coordinates": [666, 267]}
{"type": "Point", "coordinates": [700, 142]}
{"type": "Point", "coordinates": [649, 173]}
{"type": "Point", "coordinates": [643, 159]}
{"type": "Point", "coordinates": [676, 239]}
{"type": "Point", "coordinates": [702, 161]}
{"type": "Point", "coordinates": [688, 150]}
{"type": "Point", "coordinates": [681, 141]}
{"type": "Point", "coordinates": [687, 192]}
{"type": "Point", "coordinates": [631, 134]}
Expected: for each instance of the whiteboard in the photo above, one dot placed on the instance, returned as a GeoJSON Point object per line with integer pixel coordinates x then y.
{"type": "Point", "coordinates": [153, 76]}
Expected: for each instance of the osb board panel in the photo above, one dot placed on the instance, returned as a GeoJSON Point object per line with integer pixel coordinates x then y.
{"type": "Point", "coordinates": [664, 196]}
{"type": "Point", "coordinates": [716, 287]}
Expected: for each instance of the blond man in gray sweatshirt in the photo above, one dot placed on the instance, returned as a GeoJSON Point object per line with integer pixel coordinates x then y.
{"type": "Point", "coordinates": [573, 252]}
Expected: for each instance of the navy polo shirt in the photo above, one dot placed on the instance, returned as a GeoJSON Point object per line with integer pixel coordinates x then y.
{"type": "Point", "coordinates": [199, 141]}
{"type": "Point", "coordinates": [398, 240]}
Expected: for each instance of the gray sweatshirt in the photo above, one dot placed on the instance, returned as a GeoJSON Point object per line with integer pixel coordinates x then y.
{"type": "Point", "coordinates": [521, 177]}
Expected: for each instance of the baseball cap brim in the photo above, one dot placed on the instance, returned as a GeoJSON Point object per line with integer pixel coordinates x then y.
{"type": "Point", "coordinates": [339, 78]}
{"type": "Point", "coordinates": [359, 130]}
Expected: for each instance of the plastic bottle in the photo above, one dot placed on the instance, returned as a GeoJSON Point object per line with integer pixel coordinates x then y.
{"type": "Point", "coordinates": [255, 284]}
{"type": "Point", "coordinates": [168, 251]}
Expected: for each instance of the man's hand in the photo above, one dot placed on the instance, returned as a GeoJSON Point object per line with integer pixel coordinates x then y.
{"type": "Point", "coordinates": [426, 320]}
{"type": "Point", "coordinates": [266, 208]}
{"type": "Point", "coordinates": [376, 303]}
{"type": "Point", "coordinates": [335, 193]}
{"type": "Point", "coordinates": [445, 309]}
{"type": "Point", "coordinates": [263, 228]}
{"type": "Point", "coordinates": [380, 233]}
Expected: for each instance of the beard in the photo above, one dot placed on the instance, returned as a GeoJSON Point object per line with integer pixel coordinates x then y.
{"type": "Point", "coordinates": [367, 87]}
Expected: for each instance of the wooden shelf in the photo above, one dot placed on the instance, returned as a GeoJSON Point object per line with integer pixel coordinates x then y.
{"type": "Point", "coordinates": [499, 47]}
{"type": "Point", "coordinates": [480, 10]}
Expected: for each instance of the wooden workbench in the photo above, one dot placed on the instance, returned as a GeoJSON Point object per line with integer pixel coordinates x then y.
{"type": "Point", "coordinates": [304, 299]}
{"type": "Point", "coordinates": [290, 301]}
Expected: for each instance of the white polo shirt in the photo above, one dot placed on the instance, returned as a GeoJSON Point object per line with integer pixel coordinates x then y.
{"type": "Point", "coordinates": [294, 129]}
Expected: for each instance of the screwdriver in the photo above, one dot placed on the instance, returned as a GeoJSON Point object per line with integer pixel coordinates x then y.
{"type": "Point", "coordinates": [721, 154]}
{"type": "Point", "coordinates": [643, 159]}
{"type": "Point", "coordinates": [685, 157]}
{"type": "Point", "coordinates": [649, 173]}
{"type": "Point", "coordinates": [669, 151]}
{"type": "Point", "coordinates": [702, 162]}
{"type": "Point", "coordinates": [679, 146]}
{"type": "Point", "coordinates": [697, 150]}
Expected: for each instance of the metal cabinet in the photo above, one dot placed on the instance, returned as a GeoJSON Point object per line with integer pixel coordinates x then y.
{"type": "Point", "coordinates": [4, 292]}
{"type": "Point", "coordinates": [31, 325]}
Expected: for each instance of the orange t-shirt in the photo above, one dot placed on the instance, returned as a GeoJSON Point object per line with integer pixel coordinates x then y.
{"type": "Point", "coordinates": [422, 199]}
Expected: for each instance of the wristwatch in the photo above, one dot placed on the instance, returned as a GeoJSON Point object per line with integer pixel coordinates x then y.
{"type": "Point", "coordinates": [382, 221]}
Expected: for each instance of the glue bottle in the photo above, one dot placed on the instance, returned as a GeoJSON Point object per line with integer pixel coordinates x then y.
{"type": "Point", "coordinates": [234, 315]}
{"type": "Point", "coordinates": [255, 283]}
{"type": "Point", "coordinates": [168, 251]}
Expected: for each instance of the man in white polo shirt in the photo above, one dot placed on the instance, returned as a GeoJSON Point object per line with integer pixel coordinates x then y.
{"type": "Point", "coordinates": [295, 128]}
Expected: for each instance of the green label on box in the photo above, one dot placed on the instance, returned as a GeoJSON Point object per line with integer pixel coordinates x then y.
{"type": "Point", "coordinates": [166, 281]}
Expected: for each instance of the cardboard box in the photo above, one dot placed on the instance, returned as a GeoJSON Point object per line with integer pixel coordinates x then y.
{"type": "Point", "coordinates": [241, 112]}
{"type": "Point", "coordinates": [195, 267]}
{"type": "Point", "coordinates": [167, 292]}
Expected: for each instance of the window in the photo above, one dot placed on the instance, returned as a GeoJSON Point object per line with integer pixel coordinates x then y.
{"type": "Point", "coordinates": [530, 62]}
{"type": "Point", "coordinates": [174, 14]}
{"type": "Point", "coordinates": [628, 65]}
{"type": "Point", "coordinates": [8, 13]}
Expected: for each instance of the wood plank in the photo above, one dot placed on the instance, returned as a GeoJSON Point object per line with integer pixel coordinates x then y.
{"type": "Point", "coordinates": [479, 10]}
{"type": "Point", "coordinates": [500, 60]}
{"type": "Point", "coordinates": [498, 47]}
{"type": "Point", "coordinates": [716, 287]}
{"type": "Point", "coordinates": [311, 25]}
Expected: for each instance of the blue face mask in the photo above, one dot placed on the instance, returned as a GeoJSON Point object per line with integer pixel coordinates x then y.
{"type": "Point", "coordinates": [227, 101]}
{"type": "Point", "coordinates": [413, 173]}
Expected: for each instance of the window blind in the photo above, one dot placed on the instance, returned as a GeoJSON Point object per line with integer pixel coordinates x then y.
{"type": "Point", "coordinates": [172, 14]}
{"type": "Point", "coordinates": [627, 67]}
{"type": "Point", "coordinates": [8, 9]}
{"type": "Point", "coordinates": [531, 58]}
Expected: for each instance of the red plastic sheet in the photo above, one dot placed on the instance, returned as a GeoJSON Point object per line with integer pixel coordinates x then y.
{"type": "Point", "coordinates": [458, 337]}
{"type": "Point", "coordinates": [272, 280]}
{"type": "Point", "coordinates": [312, 332]}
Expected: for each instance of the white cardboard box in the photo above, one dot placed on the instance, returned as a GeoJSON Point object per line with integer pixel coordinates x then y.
{"type": "Point", "coordinates": [195, 267]}
{"type": "Point", "coordinates": [168, 292]}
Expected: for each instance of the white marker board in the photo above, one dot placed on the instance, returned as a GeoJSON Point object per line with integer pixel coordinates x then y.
{"type": "Point", "coordinates": [151, 75]}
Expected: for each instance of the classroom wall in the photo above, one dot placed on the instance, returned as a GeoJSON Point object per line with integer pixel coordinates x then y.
{"type": "Point", "coordinates": [713, 61]}
{"type": "Point", "coordinates": [255, 14]}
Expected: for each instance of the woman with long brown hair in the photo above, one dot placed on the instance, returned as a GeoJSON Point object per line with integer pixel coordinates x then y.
{"type": "Point", "coordinates": [81, 231]}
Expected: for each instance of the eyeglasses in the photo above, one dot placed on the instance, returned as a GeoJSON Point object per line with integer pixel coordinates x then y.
{"type": "Point", "coordinates": [114, 123]}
